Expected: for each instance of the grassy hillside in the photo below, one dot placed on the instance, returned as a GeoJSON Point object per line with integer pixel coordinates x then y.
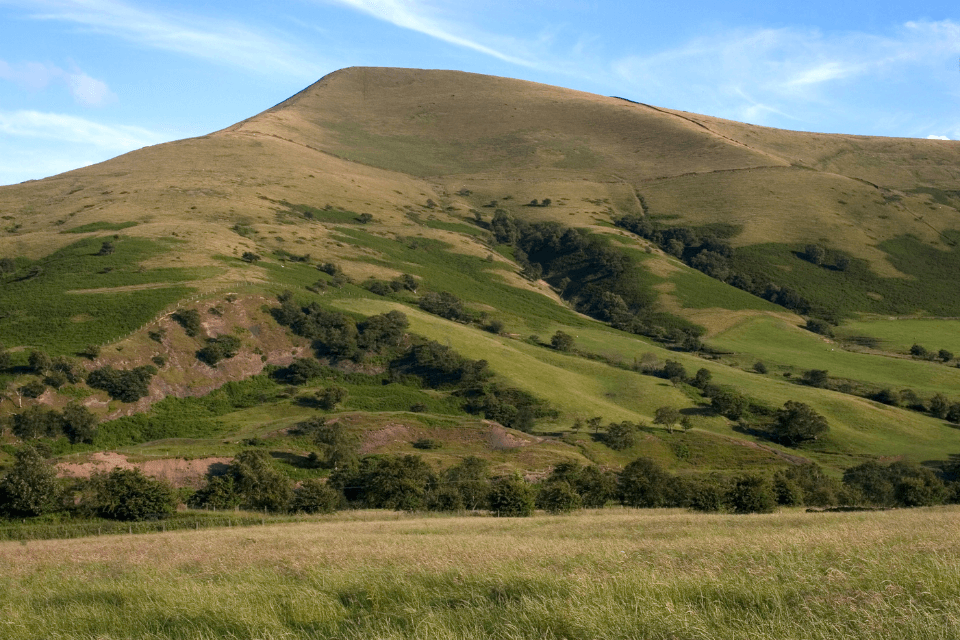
{"type": "Point", "coordinates": [371, 175]}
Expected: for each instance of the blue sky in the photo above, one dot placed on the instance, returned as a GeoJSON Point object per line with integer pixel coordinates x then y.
{"type": "Point", "coordinates": [82, 81]}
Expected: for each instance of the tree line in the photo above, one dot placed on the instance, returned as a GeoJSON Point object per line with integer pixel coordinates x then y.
{"type": "Point", "coordinates": [408, 483]}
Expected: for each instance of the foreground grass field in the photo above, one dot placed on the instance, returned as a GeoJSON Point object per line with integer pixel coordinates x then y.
{"type": "Point", "coordinates": [599, 574]}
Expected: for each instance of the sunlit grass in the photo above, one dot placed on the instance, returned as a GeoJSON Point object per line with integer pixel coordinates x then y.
{"type": "Point", "coordinates": [606, 574]}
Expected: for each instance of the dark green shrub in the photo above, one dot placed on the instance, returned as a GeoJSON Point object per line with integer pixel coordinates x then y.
{"type": "Point", "coordinates": [729, 403]}
{"type": "Point", "coordinates": [444, 304]}
{"type": "Point", "coordinates": [79, 423]}
{"type": "Point", "coordinates": [471, 479]}
{"type": "Point", "coordinates": [329, 398]}
{"type": "Point", "coordinates": [512, 497]}
{"type": "Point", "coordinates": [126, 385]}
{"type": "Point", "coordinates": [314, 496]}
{"type": "Point", "coordinates": [427, 444]}
{"type": "Point", "coordinates": [37, 422]}
{"type": "Point", "coordinates": [189, 319]}
{"type": "Point", "coordinates": [258, 484]}
{"type": "Point", "coordinates": [620, 436]}
{"type": "Point", "coordinates": [816, 378]}
{"type": "Point", "coordinates": [218, 493]}
{"type": "Point", "coordinates": [643, 483]}
{"type": "Point", "coordinates": [558, 497]}
{"type": "Point", "coordinates": [300, 371]}
{"type": "Point", "coordinates": [220, 348]}
{"type": "Point", "coordinates": [822, 327]}
{"type": "Point", "coordinates": [39, 362]}
{"type": "Point", "coordinates": [127, 494]}
{"type": "Point", "coordinates": [30, 488]}
{"type": "Point", "coordinates": [751, 494]}
{"type": "Point", "coordinates": [561, 341]}
{"type": "Point", "coordinates": [595, 486]}
{"type": "Point", "coordinates": [798, 422]}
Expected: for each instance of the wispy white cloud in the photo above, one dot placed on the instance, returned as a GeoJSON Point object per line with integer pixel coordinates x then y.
{"type": "Point", "coordinates": [934, 137]}
{"type": "Point", "coordinates": [219, 41]}
{"type": "Point", "coordinates": [85, 89]}
{"type": "Point", "coordinates": [71, 129]}
{"type": "Point", "coordinates": [420, 16]}
{"type": "Point", "coordinates": [786, 69]}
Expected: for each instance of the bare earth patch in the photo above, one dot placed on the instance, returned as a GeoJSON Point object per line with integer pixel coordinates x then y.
{"type": "Point", "coordinates": [176, 471]}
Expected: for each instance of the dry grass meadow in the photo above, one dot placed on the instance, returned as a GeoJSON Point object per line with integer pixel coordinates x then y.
{"type": "Point", "coordinates": [597, 574]}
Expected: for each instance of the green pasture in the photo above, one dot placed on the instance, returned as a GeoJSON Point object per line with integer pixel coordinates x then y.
{"type": "Point", "coordinates": [781, 345]}
{"type": "Point", "coordinates": [899, 335]}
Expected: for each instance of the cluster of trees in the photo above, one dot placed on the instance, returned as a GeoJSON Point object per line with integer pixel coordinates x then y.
{"type": "Point", "coordinates": [405, 282]}
{"type": "Point", "coordinates": [791, 425]}
{"type": "Point", "coordinates": [594, 277]}
{"type": "Point", "coordinates": [126, 385]}
{"type": "Point", "coordinates": [707, 250]}
{"type": "Point", "coordinates": [919, 351]}
{"type": "Point", "coordinates": [939, 406]}
{"type": "Point", "coordinates": [220, 348]}
{"type": "Point", "coordinates": [409, 360]}
{"type": "Point", "coordinates": [31, 488]}
{"type": "Point", "coordinates": [76, 422]}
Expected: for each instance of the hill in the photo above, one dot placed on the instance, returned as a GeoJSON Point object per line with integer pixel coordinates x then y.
{"type": "Point", "coordinates": [649, 236]}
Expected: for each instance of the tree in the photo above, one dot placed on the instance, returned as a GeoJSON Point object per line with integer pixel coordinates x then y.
{"type": "Point", "coordinates": [729, 403]}
{"type": "Point", "coordinates": [314, 496]}
{"type": "Point", "coordinates": [558, 497]}
{"type": "Point", "coordinates": [939, 405]}
{"type": "Point", "coordinates": [759, 367]}
{"type": "Point", "coordinates": [39, 362]}
{"type": "Point", "coordinates": [643, 483]}
{"type": "Point", "coordinates": [251, 257]}
{"type": "Point", "coordinates": [257, 483]}
{"type": "Point", "coordinates": [400, 483]}
{"type": "Point", "coordinates": [329, 398]}
{"type": "Point", "coordinates": [220, 348]}
{"type": "Point", "coordinates": [127, 494]}
{"type": "Point", "coordinates": [944, 355]}
{"type": "Point", "coordinates": [37, 422]}
{"type": "Point", "coordinates": [561, 341]}
{"type": "Point", "coordinates": [126, 385]}
{"type": "Point", "coordinates": [512, 497]}
{"type": "Point", "coordinates": [471, 478]}
{"type": "Point", "coordinates": [816, 378]}
{"type": "Point", "coordinates": [30, 488]}
{"type": "Point", "coordinates": [79, 423]}
{"type": "Point", "coordinates": [444, 304]}
{"type": "Point", "coordinates": [300, 371]}
{"type": "Point", "coordinates": [620, 436]}
{"type": "Point", "coordinates": [919, 351]}
{"type": "Point", "coordinates": [189, 319]}
{"type": "Point", "coordinates": [751, 494]}
{"type": "Point", "coordinates": [595, 486]}
{"type": "Point", "coordinates": [702, 378]}
{"type": "Point", "coordinates": [366, 218]}
{"type": "Point", "coordinates": [667, 416]}
{"type": "Point", "coordinates": [798, 422]}
{"type": "Point", "coordinates": [673, 370]}
{"type": "Point", "coordinates": [816, 325]}
{"type": "Point", "coordinates": [814, 254]}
